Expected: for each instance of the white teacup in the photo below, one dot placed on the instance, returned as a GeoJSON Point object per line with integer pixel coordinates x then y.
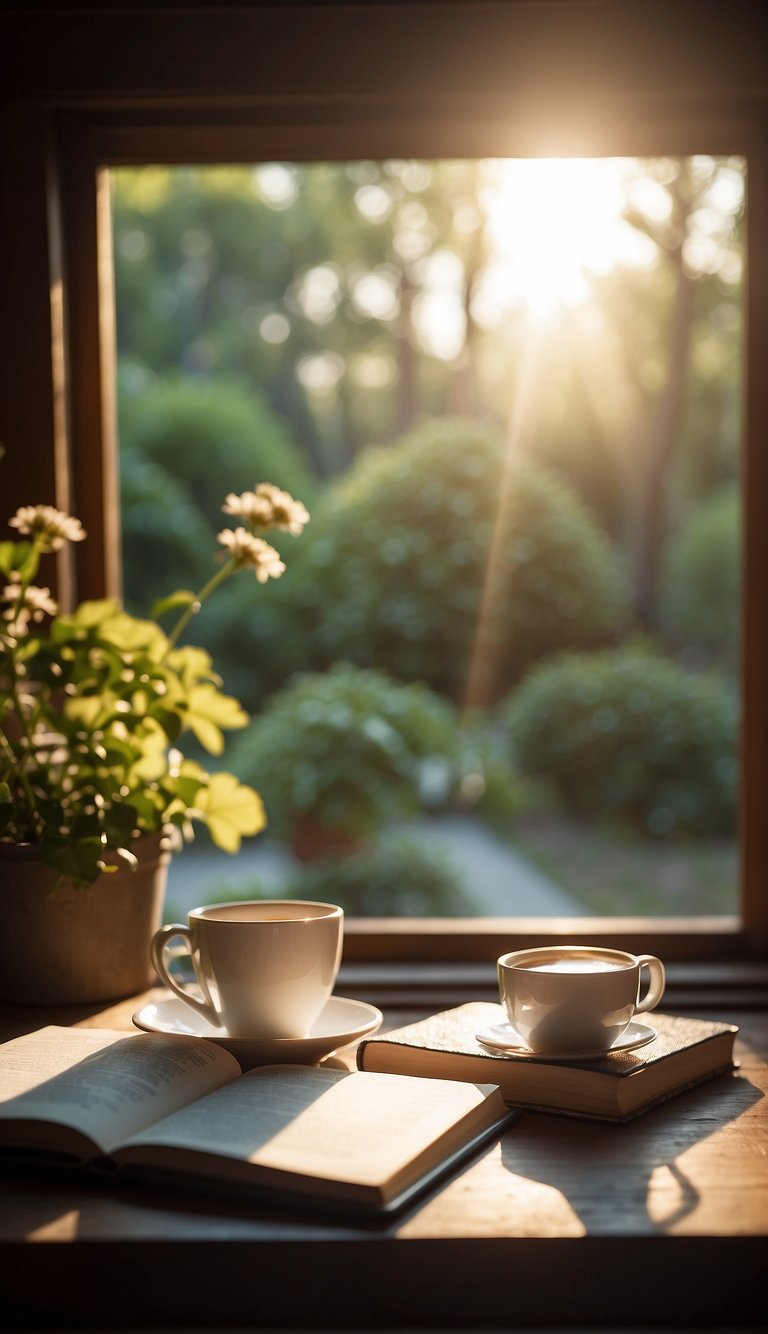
{"type": "Point", "coordinates": [264, 968]}
{"type": "Point", "coordinates": [566, 998]}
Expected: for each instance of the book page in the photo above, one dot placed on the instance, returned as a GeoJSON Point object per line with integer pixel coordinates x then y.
{"type": "Point", "coordinates": [103, 1083]}
{"type": "Point", "coordinates": [318, 1123]}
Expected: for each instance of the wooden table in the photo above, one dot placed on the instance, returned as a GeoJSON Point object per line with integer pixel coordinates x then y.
{"type": "Point", "coordinates": [662, 1222]}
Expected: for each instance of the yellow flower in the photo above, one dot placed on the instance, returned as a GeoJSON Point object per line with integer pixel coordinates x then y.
{"type": "Point", "coordinates": [246, 549]}
{"type": "Point", "coordinates": [52, 526]}
{"type": "Point", "coordinates": [268, 507]}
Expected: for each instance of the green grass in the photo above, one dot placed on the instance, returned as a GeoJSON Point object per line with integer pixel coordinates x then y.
{"type": "Point", "coordinates": [615, 872]}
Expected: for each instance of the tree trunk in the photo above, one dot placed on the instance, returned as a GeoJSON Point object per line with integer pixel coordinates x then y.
{"type": "Point", "coordinates": [660, 447]}
{"type": "Point", "coordinates": [406, 385]}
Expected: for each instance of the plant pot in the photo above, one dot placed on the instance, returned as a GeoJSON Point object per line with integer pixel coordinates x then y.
{"type": "Point", "coordinates": [68, 946]}
{"type": "Point", "coordinates": [311, 840]}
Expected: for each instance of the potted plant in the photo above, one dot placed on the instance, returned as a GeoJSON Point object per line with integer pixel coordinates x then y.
{"type": "Point", "coordinates": [94, 790]}
{"type": "Point", "coordinates": [343, 752]}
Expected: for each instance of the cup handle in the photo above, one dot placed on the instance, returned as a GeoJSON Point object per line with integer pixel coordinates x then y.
{"type": "Point", "coordinates": [157, 953]}
{"type": "Point", "coordinates": [656, 983]}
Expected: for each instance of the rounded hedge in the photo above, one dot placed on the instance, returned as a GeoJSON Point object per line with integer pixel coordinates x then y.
{"type": "Point", "coordinates": [439, 548]}
{"type": "Point", "coordinates": [631, 735]}
{"type": "Point", "coordinates": [348, 750]}
{"type": "Point", "coordinates": [185, 444]}
{"type": "Point", "coordinates": [396, 878]}
{"type": "Point", "coordinates": [216, 435]}
{"type": "Point", "coordinates": [167, 543]}
{"type": "Point", "coordinates": [701, 587]}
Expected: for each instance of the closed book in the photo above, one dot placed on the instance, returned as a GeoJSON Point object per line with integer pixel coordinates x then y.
{"type": "Point", "coordinates": [180, 1111]}
{"type": "Point", "coordinates": [615, 1087]}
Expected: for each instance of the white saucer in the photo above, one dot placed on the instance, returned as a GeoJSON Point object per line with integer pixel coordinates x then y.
{"type": "Point", "coordinates": [503, 1038]}
{"type": "Point", "coordinates": [341, 1021]}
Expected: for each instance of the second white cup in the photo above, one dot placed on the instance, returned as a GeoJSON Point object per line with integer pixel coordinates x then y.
{"type": "Point", "coordinates": [264, 968]}
{"type": "Point", "coordinates": [566, 998]}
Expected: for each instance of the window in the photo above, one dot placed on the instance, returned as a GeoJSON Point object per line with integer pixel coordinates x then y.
{"type": "Point", "coordinates": [568, 334]}
{"type": "Point", "coordinates": [690, 118]}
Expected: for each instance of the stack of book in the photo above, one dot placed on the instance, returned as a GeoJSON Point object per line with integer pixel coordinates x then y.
{"type": "Point", "coordinates": [616, 1087]}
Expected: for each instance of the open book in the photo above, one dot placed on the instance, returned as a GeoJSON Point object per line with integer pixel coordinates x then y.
{"type": "Point", "coordinates": [175, 1109]}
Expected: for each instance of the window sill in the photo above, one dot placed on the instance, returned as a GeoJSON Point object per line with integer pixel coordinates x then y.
{"type": "Point", "coordinates": [482, 939]}
{"type": "Point", "coordinates": [706, 986]}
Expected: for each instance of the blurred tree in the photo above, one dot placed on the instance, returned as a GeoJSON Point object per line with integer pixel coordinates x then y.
{"type": "Point", "coordinates": [700, 602]}
{"type": "Point", "coordinates": [320, 284]}
{"type": "Point", "coordinates": [674, 329]}
{"type": "Point", "coordinates": [360, 296]}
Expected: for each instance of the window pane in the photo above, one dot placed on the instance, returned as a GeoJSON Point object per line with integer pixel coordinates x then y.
{"type": "Point", "coordinates": [500, 672]}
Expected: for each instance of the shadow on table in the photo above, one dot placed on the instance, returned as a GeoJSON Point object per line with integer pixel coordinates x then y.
{"type": "Point", "coordinates": [617, 1179]}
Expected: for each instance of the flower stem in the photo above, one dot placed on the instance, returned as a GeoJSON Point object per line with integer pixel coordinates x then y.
{"type": "Point", "coordinates": [10, 753]}
{"type": "Point", "coordinates": [20, 761]}
{"type": "Point", "coordinates": [194, 607]}
{"type": "Point", "coordinates": [32, 564]}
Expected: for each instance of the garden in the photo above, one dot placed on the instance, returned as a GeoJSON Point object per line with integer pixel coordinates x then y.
{"type": "Point", "coordinates": [515, 606]}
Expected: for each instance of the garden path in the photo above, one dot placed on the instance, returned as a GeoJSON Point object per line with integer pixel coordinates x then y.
{"type": "Point", "coordinates": [502, 882]}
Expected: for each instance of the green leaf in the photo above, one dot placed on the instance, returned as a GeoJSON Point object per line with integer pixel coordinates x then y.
{"type": "Point", "coordinates": [149, 741]}
{"type": "Point", "coordinates": [119, 754]}
{"type": "Point", "coordinates": [130, 634]}
{"type": "Point", "coordinates": [50, 812]}
{"type": "Point", "coordinates": [28, 649]}
{"type": "Point", "coordinates": [209, 711]}
{"type": "Point", "coordinates": [20, 556]}
{"type": "Point", "coordinates": [183, 597]}
{"type": "Point", "coordinates": [230, 810]}
{"type": "Point", "coordinates": [86, 710]}
{"type": "Point", "coordinates": [119, 822]}
{"type": "Point", "coordinates": [78, 860]}
{"type": "Point", "coordinates": [184, 788]}
{"type": "Point", "coordinates": [177, 813]}
{"type": "Point", "coordinates": [170, 722]}
{"type": "Point", "coordinates": [192, 665]}
{"type": "Point", "coordinates": [14, 555]}
{"type": "Point", "coordinates": [87, 616]}
{"type": "Point", "coordinates": [86, 826]}
{"type": "Point", "coordinates": [5, 793]}
{"type": "Point", "coordinates": [148, 808]}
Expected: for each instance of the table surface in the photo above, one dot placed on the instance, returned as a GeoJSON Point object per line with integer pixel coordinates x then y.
{"type": "Point", "coordinates": [662, 1220]}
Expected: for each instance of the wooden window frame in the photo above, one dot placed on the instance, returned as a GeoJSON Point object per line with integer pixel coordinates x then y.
{"type": "Point", "coordinates": [58, 149]}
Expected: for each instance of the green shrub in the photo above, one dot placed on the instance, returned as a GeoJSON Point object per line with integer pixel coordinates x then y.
{"type": "Point", "coordinates": [347, 751]}
{"type": "Point", "coordinates": [216, 435]}
{"type": "Point", "coordinates": [257, 647]}
{"type": "Point", "coordinates": [432, 535]}
{"type": "Point", "coordinates": [701, 587]}
{"type": "Point", "coordinates": [166, 540]}
{"type": "Point", "coordinates": [184, 444]}
{"type": "Point", "coordinates": [397, 878]}
{"type": "Point", "coordinates": [486, 782]}
{"type": "Point", "coordinates": [630, 735]}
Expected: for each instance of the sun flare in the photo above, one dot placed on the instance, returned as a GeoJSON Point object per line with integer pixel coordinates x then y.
{"type": "Point", "coordinates": [554, 222]}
